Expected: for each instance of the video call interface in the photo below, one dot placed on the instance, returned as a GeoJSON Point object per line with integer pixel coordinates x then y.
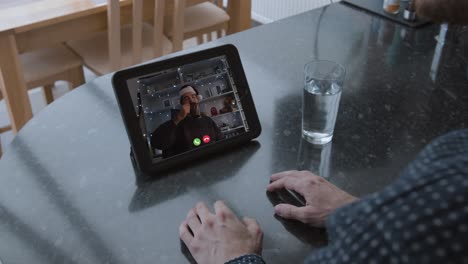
{"type": "Point", "coordinates": [213, 107]}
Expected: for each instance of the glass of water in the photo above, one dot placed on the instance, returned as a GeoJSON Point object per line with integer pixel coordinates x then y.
{"type": "Point", "coordinates": [322, 92]}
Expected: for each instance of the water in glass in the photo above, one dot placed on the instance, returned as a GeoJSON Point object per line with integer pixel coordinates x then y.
{"type": "Point", "coordinates": [320, 107]}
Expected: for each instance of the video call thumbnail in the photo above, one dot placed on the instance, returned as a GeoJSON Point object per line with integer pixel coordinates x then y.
{"type": "Point", "coordinates": [188, 107]}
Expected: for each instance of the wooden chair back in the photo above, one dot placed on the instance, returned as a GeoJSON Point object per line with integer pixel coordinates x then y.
{"type": "Point", "coordinates": [125, 44]}
{"type": "Point", "coordinates": [114, 29]}
{"type": "Point", "coordinates": [203, 18]}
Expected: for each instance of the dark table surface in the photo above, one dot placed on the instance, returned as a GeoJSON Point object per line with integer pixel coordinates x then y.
{"type": "Point", "coordinates": [67, 187]}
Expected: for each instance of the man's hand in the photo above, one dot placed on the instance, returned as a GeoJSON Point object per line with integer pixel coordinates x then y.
{"type": "Point", "coordinates": [322, 197]}
{"type": "Point", "coordinates": [220, 237]}
{"type": "Point", "coordinates": [184, 111]}
{"type": "Point", "coordinates": [453, 11]}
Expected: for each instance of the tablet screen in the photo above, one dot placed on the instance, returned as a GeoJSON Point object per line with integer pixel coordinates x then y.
{"type": "Point", "coordinates": [187, 107]}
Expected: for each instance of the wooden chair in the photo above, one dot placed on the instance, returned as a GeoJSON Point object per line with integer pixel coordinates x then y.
{"type": "Point", "coordinates": [121, 47]}
{"type": "Point", "coordinates": [42, 68]}
{"type": "Point", "coordinates": [3, 129]}
{"type": "Point", "coordinates": [199, 20]}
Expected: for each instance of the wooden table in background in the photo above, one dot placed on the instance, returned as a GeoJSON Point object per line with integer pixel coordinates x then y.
{"type": "Point", "coordinates": [26, 25]}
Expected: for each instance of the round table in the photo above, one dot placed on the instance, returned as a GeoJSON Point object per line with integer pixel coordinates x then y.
{"type": "Point", "coordinates": [67, 186]}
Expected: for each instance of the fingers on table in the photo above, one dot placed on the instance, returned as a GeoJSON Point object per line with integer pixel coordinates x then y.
{"type": "Point", "coordinates": [193, 221]}
{"type": "Point", "coordinates": [282, 174]}
{"type": "Point", "coordinates": [292, 173]}
{"type": "Point", "coordinates": [252, 225]}
{"type": "Point", "coordinates": [291, 212]}
{"type": "Point", "coordinates": [289, 182]}
{"type": "Point", "coordinates": [184, 233]}
{"type": "Point", "coordinates": [223, 211]}
{"type": "Point", "coordinates": [202, 211]}
{"type": "Point", "coordinates": [192, 224]}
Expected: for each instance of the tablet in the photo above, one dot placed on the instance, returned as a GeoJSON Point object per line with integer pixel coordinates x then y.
{"type": "Point", "coordinates": [185, 108]}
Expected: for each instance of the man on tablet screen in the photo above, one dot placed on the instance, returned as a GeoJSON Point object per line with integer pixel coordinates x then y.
{"type": "Point", "coordinates": [189, 129]}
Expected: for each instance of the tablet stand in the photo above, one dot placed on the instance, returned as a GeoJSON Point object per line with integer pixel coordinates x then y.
{"type": "Point", "coordinates": [140, 176]}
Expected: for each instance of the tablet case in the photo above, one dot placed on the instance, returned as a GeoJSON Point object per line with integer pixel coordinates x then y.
{"type": "Point", "coordinates": [142, 169]}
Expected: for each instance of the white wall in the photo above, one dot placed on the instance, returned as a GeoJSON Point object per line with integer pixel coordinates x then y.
{"type": "Point", "coordinates": [266, 11]}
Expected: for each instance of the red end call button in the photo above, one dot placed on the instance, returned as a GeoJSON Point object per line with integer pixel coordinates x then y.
{"type": "Point", "coordinates": [206, 139]}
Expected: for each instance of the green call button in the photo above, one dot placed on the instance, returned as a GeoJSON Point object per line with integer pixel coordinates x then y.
{"type": "Point", "coordinates": [197, 142]}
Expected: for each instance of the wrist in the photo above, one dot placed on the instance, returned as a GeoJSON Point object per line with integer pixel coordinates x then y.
{"type": "Point", "coordinates": [350, 199]}
{"type": "Point", "coordinates": [246, 259]}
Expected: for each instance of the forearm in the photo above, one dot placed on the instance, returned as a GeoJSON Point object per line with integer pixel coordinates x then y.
{"type": "Point", "coordinates": [453, 11]}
